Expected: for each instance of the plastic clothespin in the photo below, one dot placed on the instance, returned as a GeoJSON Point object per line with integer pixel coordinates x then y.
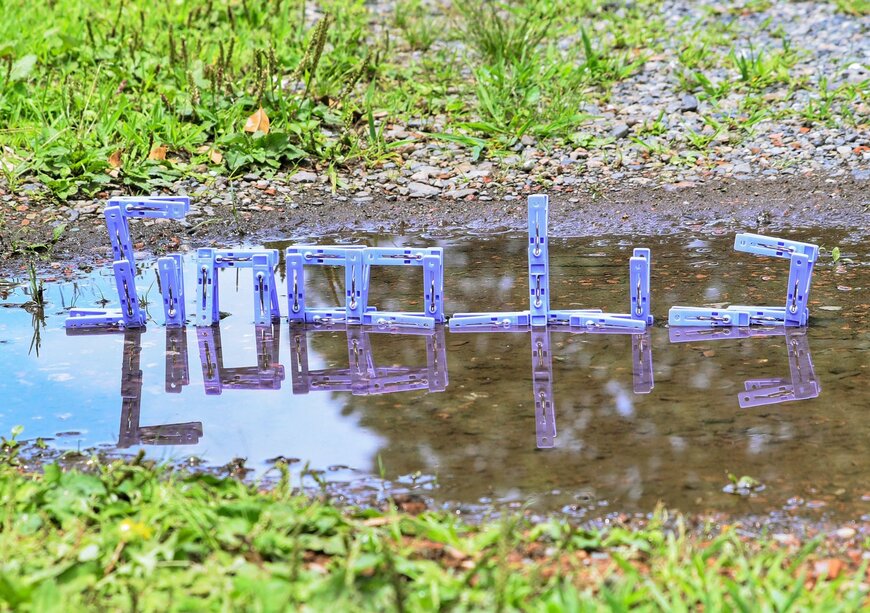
{"type": "Point", "coordinates": [266, 309]}
{"type": "Point", "coordinates": [350, 257]}
{"type": "Point", "coordinates": [431, 259]}
{"type": "Point", "coordinates": [390, 320]}
{"type": "Point", "coordinates": [295, 266]}
{"type": "Point", "coordinates": [591, 321]}
{"type": "Point", "coordinates": [171, 274]}
{"type": "Point", "coordinates": [207, 292]}
{"type": "Point", "coordinates": [155, 207]}
{"type": "Point", "coordinates": [542, 388]}
{"type": "Point", "coordinates": [539, 261]}
{"type": "Point", "coordinates": [639, 285]}
{"type": "Point", "coordinates": [82, 319]}
{"type": "Point", "coordinates": [476, 322]}
{"type": "Point", "coordinates": [797, 296]}
{"type": "Point", "coordinates": [709, 318]}
{"type": "Point", "coordinates": [126, 285]}
{"type": "Point", "coordinates": [119, 234]}
{"type": "Point", "coordinates": [177, 369]}
{"type": "Point", "coordinates": [774, 247]}
{"type": "Point", "coordinates": [643, 379]}
{"type": "Point", "coordinates": [563, 317]}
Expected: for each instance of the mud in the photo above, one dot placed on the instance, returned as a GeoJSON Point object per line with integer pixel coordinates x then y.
{"type": "Point", "coordinates": [762, 206]}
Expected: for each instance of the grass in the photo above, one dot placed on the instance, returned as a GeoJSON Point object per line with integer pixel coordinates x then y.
{"type": "Point", "coordinates": [96, 94]}
{"type": "Point", "coordinates": [129, 535]}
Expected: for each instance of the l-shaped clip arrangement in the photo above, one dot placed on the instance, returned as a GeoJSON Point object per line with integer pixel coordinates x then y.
{"type": "Point", "coordinates": [795, 312]}
{"type": "Point", "coordinates": [540, 313]}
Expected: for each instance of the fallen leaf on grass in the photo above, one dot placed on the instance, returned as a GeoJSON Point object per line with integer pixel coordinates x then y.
{"type": "Point", "coordinates": [258, 122]}
{"type": "Point", "coordinates": [216, 156]}
{"type": "Point", "coordinates": [158, 153]}
{"type": "Point", "coordinates": [828, 569]}
{"type": "Point", "coordinates": [115, 159]}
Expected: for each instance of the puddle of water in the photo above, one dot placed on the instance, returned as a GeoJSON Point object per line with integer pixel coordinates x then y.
{"type": "Point", "coordinates": [634, 419]}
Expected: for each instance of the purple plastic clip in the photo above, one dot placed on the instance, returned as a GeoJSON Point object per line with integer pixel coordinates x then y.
{"type": "Point", "coordinates": [701, 317]}
{"type": "Point", "coordinates": [82, 319]}
{"type": "Point", "coordinates": [593, 321]}
{"type": "Point", "coordinates": [481, 322]}
{"type": "Point", "coordinates": [542, 387]}
{"type": "Point", "coordinates": [266, 309]}
{"type": "Point", "coordinates": [119, 234]}
{"type": "Point", "coordinates": [170, 272]}
{"type": "Point", "coordinates": [431, 259]}
{"type": "Point", "coordinates": [351, 258]}
{"type": "Point", "coordinates": [639, 285]}
{"type": "Point", "coordinates": [539, 261]}
{"type": "Point", "coordinates": [155, 207]}
{"type": "Point", "coordinates": [177, 370]}
{"type": "Point", "coordinates": [126, 284]}
{"type": "Point", "coordinates": [295, 287]}
{"type": "Point", "coordinates": [207, 288]}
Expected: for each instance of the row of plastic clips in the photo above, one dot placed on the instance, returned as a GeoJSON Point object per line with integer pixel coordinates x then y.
{"type": "Point", "coordinates": [262, 262]}
{"type": "Point", "coordinates": [540, 314]}
{"type": "Point", "coordinates": [357, 262]}
{"type": "Point", "coordinates": [118, 212]}
{"type": "Point", "coordinates": [795, 312]}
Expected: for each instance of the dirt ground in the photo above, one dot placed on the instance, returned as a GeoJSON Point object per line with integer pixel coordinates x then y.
{"type": "Point", "coordinates": [759, 206]}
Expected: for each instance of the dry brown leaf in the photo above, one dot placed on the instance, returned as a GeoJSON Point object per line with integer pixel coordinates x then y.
{"type": "Point", "coordinates": [115, 159]}
{"type": "Point", "coordinates": [258, 122]}
{"type": "Point", "coordinates": [203, 148]}
{"type": "Point", "coordinates": [828, 569]}
{"type": "Point", "coordinates": [158, 153]}
{"type": "Point", "coordinates": [216, 156]}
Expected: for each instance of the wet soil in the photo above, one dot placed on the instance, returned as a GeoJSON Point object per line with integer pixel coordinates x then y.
{"type": "Point", "coordinates": [762, 206]}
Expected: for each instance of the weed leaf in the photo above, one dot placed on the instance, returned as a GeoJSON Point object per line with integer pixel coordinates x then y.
{"type": "Point", "coordinates": [22, 68]}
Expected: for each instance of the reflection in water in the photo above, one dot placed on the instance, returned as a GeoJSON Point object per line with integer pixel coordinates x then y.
{"type": "Point", "coordinates": [801, 383]}
{"type": "Point", "coordinates": [542, 371]}
{"type": "Point", "coordinates": [266, 375]}
{"type": "Point", "coordinates": [130, 432]}
{"type": "Point", "coordinates": [620, 442]}
{"type": "Point", "coordinates": [363, 377]}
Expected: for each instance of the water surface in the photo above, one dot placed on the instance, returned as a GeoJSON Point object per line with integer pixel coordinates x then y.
{"type": "Point", "coordinates": [634, 419]}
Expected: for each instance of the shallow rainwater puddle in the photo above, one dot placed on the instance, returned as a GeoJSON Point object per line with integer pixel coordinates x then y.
{"type": "Point", "coordinates": [636, 419]}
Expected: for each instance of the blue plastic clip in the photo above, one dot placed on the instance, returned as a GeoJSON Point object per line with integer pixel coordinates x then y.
{"type": "Point", "coordinates": [394, 321]}
{"type": "Point", "coordinates": [639, 285]}
{"type": "Point", "coordinates": [539, 261]}
{"type": "Point", "coordinates": [643, 379]}
{"type": "Point", "coordinates": [606, 322]}
{"type": "Point", "coordinates": [542, 386]}
{"type": "Point", "coordinates": [155, 207]}
{"type": "Point", "coordinates": [477, 322]}
{"type": "Point", "coordinates": [207, 288]}
{"type": "Point", "coordinates": [171, 274]}
{"type": "Point", "coordinates": [266, 309]}
{"type": "Point", "coordinates": [80, 319]}
{"type": "Point", "coordinates": [799, 278]}
{"type": "Point", "coordinates": [774, 247]}
{"type": "Point", "coordinates": [708, 318]}
{"type": "Point", "coordinates": [431, 259]}
{"type": "Point", "coordinates": [295, 287]}
{"type": "Point", "coordinates": [126, 284]}
{"type": "Point", "coordinates": [119, 234]}
{"type": "Point", "coordinates": [348, 256]}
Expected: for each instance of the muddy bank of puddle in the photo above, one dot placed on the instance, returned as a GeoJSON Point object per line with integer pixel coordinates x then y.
{"type": "Point", "coordinates": [635, 419]}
